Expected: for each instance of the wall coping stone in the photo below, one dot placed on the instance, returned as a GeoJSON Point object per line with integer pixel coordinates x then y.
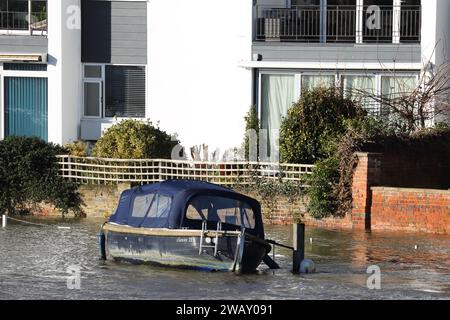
{"type": "Point", "coordinates": [412, 190]}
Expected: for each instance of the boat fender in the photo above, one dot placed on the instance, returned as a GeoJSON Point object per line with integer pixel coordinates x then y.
{"type": "Point", "coordinates": [102, 244]}
{"type": "Point", "coordinates": [307, 266]}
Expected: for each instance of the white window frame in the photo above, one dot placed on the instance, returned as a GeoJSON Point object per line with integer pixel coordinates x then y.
{"type": "Point", "coordinates": [101, 81]}
{"type": "Point", "coordinates": [29, 31]}
{"type": "Point", "coordinates": [103, 84]}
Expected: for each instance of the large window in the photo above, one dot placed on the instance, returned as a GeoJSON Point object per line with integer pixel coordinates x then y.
{"type": "Point", "coordinates": [394, 87]}
{"type": "Point", "coordinates": [279, 91]}
{"type": "Point", "coordinates": [125, 91]}
{"type": "Point", "coordinates": [277, 95]}
{"type": "Point", "coordinates": [23, 15]}
{"type": "Point", "coordinates": [113, 91]}
{"type": "Point", "coordinates": [358, 87]}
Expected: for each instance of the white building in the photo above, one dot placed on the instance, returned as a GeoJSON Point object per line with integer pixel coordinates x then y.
{"type": "Point", "coordinates": [69, 68]}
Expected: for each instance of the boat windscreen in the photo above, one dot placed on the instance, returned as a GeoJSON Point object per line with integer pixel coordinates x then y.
{"type": "Point", "coordinates": [225, 210]}
{"type": "Point", "coordinates": [150, 210]}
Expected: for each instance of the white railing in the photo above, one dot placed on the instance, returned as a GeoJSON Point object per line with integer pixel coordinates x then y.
{"type": "Point", "coordinates": [87, 170]}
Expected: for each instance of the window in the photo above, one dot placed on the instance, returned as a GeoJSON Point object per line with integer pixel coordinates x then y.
{"type": "Point", "coordinates": [91, 71]}
{"type": "Point", "coordinates": [341, 20]}
{"type": "Point", "coordinates": [226, 210]}
{"type": "Point", "coordinates": [141, 205]}
{"type": "Point", "coordinates": [395, 87]}
{"type": "Point", "coordinates": [277, 96]}
{"type": "Point", "coordinates": [15, 15]}
{"type": "Point", "coordinates": [125, 91]}
{"type": "Point", "coordinates": [310, 82]}
{"type": "Point", "coordinates": [382, 32]}
{"type": "Point", "coordinates": [355, 87]}
{"type": "Point", "coordinates": [151, 206]}
{"type": "Point", "coordinates": [92, 98]}
{"type": "Point", "coordinates": [410, 21]}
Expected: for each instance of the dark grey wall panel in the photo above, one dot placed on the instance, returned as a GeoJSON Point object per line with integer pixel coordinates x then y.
{"type": "Point", "coordinates": [114, 32]}
{"type": "Point", "coordinates": [304, 52]}
{"type": "Point", "coordinates": [23, 44]}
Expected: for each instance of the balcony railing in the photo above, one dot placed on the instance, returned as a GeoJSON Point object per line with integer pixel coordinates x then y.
{"type": "Point", "coordinates": [338, 24]}
{"type": "Point", "coordinates": [16, 22]}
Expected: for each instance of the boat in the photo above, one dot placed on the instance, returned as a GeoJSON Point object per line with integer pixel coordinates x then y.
{"type": "Point", "coordinates": [187, 224]}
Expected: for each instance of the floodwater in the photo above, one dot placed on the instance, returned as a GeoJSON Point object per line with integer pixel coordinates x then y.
{"type": "Point", "coordinates": [34, 262]}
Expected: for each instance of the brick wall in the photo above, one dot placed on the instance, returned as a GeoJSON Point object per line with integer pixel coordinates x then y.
{"type": "Point", "coordinates": [421, 210]}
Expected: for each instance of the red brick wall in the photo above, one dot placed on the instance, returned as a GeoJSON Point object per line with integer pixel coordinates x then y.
{"type": "Point", "coordinates": [421, 210]}
{"type": "Point", "coordinates": [367, 174]}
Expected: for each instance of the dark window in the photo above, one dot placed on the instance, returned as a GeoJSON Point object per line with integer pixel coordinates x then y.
{"type": "Point", "coordinates": [377, 23]}
{"type": "Point", "coordinates": [125, 91]}
{"type": "Point", "coordinates": [24, 67]}
{"type": "Point", "coordinates": [410, 21]}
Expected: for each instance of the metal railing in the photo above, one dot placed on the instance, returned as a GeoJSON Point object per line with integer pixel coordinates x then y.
{"type": "Point", "coordinates": [18, 21]}
{"type": "Point", "coordinates": [87, 170]}
{"type": "Point", "coordinates": [314, 23]}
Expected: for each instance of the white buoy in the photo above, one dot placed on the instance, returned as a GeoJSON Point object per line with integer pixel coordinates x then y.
{"type": "Point", "coordinates": [4, 221]}
{"type": "Point", "coordinates": [310, 240]}
{"type": "Point", "coordinates": [416, 247]}
{"type": "Point", "coordinates": [64, 228]}
{"type": "Point", "coordinates": [307, 266]}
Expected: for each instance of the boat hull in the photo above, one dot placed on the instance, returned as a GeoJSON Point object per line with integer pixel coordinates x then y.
{"type": "Point", "coordinates": [181, 248]}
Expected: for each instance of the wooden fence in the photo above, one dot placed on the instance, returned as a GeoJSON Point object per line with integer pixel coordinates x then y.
{"type": "Point", "coordinates": [86, 170]}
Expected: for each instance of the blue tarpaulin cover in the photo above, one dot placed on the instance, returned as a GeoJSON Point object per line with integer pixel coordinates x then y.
{"type": "Point", "coordinates": [163, 205]}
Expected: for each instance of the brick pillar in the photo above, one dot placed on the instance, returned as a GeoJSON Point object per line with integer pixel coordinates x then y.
{"type": "Point", "coordinates": [367, 174]}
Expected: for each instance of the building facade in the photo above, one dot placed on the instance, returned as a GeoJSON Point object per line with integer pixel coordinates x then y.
{"type": "Point", "coordinates": [71, 68]}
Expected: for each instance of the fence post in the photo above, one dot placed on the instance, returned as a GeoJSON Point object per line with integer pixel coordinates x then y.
{"type": "Point", "coordinates": [299, 246]}
{"type": "Point", "coordinates": [159, 171]}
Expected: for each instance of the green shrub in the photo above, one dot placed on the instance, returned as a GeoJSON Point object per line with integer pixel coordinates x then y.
{"type": "Point", "coordinates": [134, 139]}
{"type": "Point", "coordinates": [251, 123]}
{"type": "Point", "coordinates": [29, 176]}
{"type": "Point", "coordinates": [322, 200]}
{"type": "Point", "coordinates": [313, 123]}
{"type": "Point", "coordinates": [77, 148]}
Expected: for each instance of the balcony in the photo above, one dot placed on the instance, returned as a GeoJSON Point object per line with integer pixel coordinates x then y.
{"type": "Point", "coordinates": [23, 17]}
{"type": "Point", "coordinates": [338, 24]}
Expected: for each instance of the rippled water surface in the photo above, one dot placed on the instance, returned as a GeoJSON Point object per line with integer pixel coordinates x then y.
{"type": "Point", "coordinates": [34, 262]}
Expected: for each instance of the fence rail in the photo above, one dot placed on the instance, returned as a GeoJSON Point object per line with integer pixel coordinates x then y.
{"type": "Point", "coordinates": [87, 170]}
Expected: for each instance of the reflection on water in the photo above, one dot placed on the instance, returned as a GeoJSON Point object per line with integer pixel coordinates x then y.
{"type": "Point", "coordinates": [34, 262]}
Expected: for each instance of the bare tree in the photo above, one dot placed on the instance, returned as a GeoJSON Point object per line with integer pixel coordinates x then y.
{"type": "Point", "coordinates": [412, 109]}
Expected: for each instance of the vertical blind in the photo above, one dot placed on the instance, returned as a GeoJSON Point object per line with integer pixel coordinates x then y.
{"type": "Point", "coordinates": [125, 91]}
{"type": "Point", "coordinates": [26, 107]}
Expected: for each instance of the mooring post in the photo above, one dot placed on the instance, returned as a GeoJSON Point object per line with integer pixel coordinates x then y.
{"type": "Point", "coordinates": [3, 220]}
{"type": "Point", "coordinates": [299, 246]}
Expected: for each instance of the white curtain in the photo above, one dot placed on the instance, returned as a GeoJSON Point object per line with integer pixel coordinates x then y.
{"type": "Point", "coordinates": [395, 87]}
{"type": "Point", "coordinates": [277, 96]}
{"type": "Point", "coordinates": [353, 85]}
{"type": "Point", "coordinates": [311, 82]}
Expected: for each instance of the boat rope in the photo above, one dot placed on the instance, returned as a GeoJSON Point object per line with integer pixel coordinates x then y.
{"type": "Point", "coordinates": [279, 244]}
{"type": "Point", "coordinates": [34, 223]}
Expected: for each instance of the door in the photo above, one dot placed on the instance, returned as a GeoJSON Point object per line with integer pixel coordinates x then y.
{"type": "Point", "coordinates": [26, 107]}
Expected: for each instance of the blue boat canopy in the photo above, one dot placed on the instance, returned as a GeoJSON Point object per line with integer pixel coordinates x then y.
{"type": "Point", "coordinates": [176, 204]}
